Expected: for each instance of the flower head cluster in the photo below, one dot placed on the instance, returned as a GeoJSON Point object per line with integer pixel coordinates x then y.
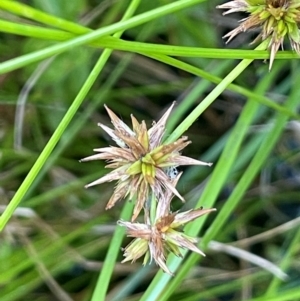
{"type": "Point", "coordinates": [276, 18]}
{"type": "Point", "coordinates": [141, 163]}
{"type": "Point", "coordinates": [145, 169]}
{"type": "Point", "coordinates": [156, 240]}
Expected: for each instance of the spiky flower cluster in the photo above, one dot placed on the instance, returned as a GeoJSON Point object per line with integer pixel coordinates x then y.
{"type": "Point", "coordinates": [155, 240]}
{"type": "Point", "coordinates": [146, 169]}
{"type": "Point", "coordinates": [275, 18]}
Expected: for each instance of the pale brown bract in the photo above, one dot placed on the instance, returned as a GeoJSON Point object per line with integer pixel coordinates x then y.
{"type": "Point", "coordinates": [140, 161]}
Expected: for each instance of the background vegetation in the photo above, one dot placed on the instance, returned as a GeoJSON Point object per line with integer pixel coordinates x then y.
{"type": "Point", "coordinates": [59, 66]}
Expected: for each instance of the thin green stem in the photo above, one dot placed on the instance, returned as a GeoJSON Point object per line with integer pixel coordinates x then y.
{"type": "Point", "coordinates": [29, 12]}
{"type": "Point", "coordinates": [214, 79]}
{"type": "Point", "coordinates": [218, 179]}
{"type": "Point", "coordinates": [211, 97]}
{"type": "Point", "coordinates": [100, 290]}
{"type": "Point", "coordinates": [155, 51]}
{"type": "Point", "coordinates": [114, 247]}
{"type": "Point", "coordinates": [92, 36]}
{"type": "Point", "coordinates": [140, 47]}
{"type": "Point", "coordinates": [255, 165]}
{"type": "Point", "coordinates": [50, 145]}
{"type": "Point", "coordinates": [53, 140]}
{"type": "Point", "coordinates": [158, 286]}
{"type": "Point", "coordinates": [284, 264]}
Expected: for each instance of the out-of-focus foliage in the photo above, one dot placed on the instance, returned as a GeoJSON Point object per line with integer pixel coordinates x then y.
{"type": "Point", "coordinates": [54, 245]}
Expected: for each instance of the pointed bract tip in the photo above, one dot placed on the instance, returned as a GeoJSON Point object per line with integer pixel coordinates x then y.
{"type": "Point", "coordinates": [208, 210]}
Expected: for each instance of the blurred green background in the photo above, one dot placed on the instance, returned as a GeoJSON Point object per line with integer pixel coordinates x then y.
{"type": "Point", "coordinates": [54, 245]}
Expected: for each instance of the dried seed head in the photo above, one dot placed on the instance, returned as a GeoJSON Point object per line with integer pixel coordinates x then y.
{"type": "Point", "coordinates": [158, 240]}
{"type": "Point", "coordinates": [275, 18]}
{"type": "Point", "coordinates": [140, 162]}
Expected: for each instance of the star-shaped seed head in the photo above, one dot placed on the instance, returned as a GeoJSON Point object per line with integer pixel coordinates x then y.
{"type": "Point", "coordinates": [141, 164]}
{"type": "Point", "coordinates": [164, 237]}
{"type": "Point", "coordinates": [275, 18]}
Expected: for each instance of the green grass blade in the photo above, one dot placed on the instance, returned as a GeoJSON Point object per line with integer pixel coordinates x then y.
{"type": "Point", "coordinates": [287, 261]}
{"type": "Point", "coordinates": [26, 11]}
{"type": "Point", "coordinates": [157, 288]}
{"type": "Point", "coordinates": [139, 47]}
{"type": "Point", "coordinates": [190, 119]}
{"type": "Point", "coordinates": [255, 165]}
{"type": "Point", "coordinates": [214, 79]}
{"type": "Point", "coordinates": [92, 36]}
{"type": "Point", "coordinates": [111, 257]}
{"type": "Point", "coordinates": [50, 145]}
{"type": "Point", "coordinates": [217, 181]}
{"type": "Point", "coordinates": [291, 294]}
{"type": "Point", "coordinates": [114, 247]}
